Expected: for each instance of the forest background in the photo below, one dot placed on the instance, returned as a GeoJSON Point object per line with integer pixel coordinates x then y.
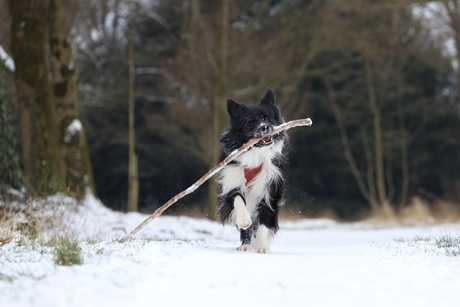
{"type": "Point", "coordinates": [380, 79]}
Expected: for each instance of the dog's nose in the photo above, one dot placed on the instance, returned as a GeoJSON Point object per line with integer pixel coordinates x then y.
{"type": "Point", "coordinates": [264, 128]}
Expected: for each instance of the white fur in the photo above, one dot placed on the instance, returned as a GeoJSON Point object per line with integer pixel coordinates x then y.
{"type": "Point", "coordinates": [245, 247]}
{"type": "Point", "coordinates": [256, 155]}
{"type": "Point", "coordinates": [242, 218]}
{"type": "Point", "coordinates": [262, 240]}
{"type": "Point", "coordinates": [232, 176]}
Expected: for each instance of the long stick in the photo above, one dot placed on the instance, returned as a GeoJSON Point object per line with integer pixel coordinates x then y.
{"type": "Point", "coordinates": [213, 171]}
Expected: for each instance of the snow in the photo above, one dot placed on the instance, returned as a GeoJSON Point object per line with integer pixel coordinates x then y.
{"type": "Point", "coordinates": [6, 59]}
{"type": "Point", "coordinates": [74, 127]}
{"type": "Point", "coordinates": [181, 261]}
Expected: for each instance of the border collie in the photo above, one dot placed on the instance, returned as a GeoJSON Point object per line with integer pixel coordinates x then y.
{"type": "Point", "coordinates": [251, 186]}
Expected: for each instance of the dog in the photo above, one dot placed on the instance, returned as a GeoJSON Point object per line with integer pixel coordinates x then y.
{"type": "Point", "coordinates": [251, 187]}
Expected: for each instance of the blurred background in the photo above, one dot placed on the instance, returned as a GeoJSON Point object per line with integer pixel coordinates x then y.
{"type": "Point", "coordinates": [128, 98]}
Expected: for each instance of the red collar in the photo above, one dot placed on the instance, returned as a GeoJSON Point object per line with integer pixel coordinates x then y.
{"type": "Point", "coordinates": [251, 173]}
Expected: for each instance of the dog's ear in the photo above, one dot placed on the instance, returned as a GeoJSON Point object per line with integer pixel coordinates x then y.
{"type": "Point", "coordinates": [234, 108]}
{"type": "Point", "coordinates": [269, 98]}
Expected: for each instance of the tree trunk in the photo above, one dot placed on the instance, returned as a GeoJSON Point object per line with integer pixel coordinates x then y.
{"type": "Point", "coordinates": [218, 101]}
{"type": "Point", "coordinates": [28, 44]}
{"type": "Point", "coordinates": [404, 146]}
{"type": "Point", "coordinates": [378, 141]}
{"type": "Point", "coordinates": [370, 173]}
{"type": "Point", "coordinates": [10, 170]}
{"type": "Point", "coordinates": [365, 191]}
{"type": "Point", "coordinates": [133, 184]}
{"type": "Point", "coordinates": [74, 157]}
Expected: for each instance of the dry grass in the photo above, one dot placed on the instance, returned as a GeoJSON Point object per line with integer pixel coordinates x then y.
{"type": "Point", "coordinates": [25, 229]}
{"type": "Point", "coordinates": [418, 212]}
{"type": "Point", "coordinates": [13, 220]}
{"type": "Point", "coordinates": [448, 245]}
{"type": "Point", "coordinates": [41, 226]}
{"type": "Point", "coordinates": [421, 211]}
{"type": "Point", "coordinates": [35, 221]}
{"type": "Point", "coordinates": [7, 229]}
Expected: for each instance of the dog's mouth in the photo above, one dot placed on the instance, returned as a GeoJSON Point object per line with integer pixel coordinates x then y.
{"type": "Point", "coordinates": [268, 140]}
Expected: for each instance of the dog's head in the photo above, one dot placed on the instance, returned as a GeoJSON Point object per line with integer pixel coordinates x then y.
{"type": "Point", "coordinates": [251, 121]}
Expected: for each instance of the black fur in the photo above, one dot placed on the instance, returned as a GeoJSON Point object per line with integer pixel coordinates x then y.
{"type": "Point", "coordinates": [247, 122]}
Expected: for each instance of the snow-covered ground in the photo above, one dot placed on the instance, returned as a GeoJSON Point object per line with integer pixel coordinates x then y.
{"type": "Point", "coordinates": [181, 261]}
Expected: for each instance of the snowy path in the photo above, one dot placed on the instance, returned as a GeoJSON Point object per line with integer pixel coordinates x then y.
{"type": "Point", "coordinates": [178, 261]}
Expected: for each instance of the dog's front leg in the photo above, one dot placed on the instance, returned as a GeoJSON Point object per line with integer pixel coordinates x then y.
{"type": "Point", "coordinates": [246, 236]}
{"type": "Point", "coordinates": [262, 239]}
{"type": "Point", "coordinates": [242, 215]}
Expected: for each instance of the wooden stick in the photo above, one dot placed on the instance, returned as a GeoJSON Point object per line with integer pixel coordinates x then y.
{"type": "Point", "coordinates": [232, 156]}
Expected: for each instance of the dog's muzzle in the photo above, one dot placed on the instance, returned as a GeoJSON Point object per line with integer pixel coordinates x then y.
{"type": "Point", "coordinates": [264, 129]}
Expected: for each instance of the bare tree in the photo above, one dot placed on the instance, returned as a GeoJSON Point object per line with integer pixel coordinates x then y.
{"type": "Point", "coordinates": [380, 71]}
{"type": "Point", "coordinates": [224, 52]}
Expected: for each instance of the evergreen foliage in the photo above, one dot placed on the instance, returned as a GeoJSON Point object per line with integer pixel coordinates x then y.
{"type": "Point", "coordinates": [10, 169]}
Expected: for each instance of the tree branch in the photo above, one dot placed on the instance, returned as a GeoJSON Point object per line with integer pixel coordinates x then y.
{"type": "Point", "coordinates": [213, 171]}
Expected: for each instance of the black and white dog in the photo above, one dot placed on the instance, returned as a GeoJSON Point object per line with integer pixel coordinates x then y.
{"type": "Point", "coordinates": [251, 186]}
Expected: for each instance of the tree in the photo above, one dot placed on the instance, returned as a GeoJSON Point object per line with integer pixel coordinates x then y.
{"type": "Point", "coordinates": [378, 62]}
{"type": "Point", "coordinates": [10, 170]}
{"type": "Point", "coordinates": [386, 76]}
{"type": "Point", "coordinates": [229, 49]}
{"type": "Point", "coordinates": [75, 164]}
{"type": "Point", "coordinates": [168, 155]}
{"type": "Point", "coordinates": [209, 27]}
{"type": "Point", "coordinates": [40, 150]}
{"type": "Point", "coordinates": [452, 8]}
{"type": "Point", "coordinates": [380, 109]}
{"type": "Point", "coordinates": [133, 182]}
{"type": "Point", "coordinates": [54, 147]}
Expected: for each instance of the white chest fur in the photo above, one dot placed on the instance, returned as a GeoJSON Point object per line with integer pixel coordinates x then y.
{"type": "Point", "coordinates": [232, 176]}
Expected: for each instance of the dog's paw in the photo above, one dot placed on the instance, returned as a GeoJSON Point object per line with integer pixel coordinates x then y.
{"type": "Point", "coordinates": [245, 247]}
{"type": "Point", "coordinates": [244, 221]}
{"type": "Point", "coordinates": [263, 250]}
